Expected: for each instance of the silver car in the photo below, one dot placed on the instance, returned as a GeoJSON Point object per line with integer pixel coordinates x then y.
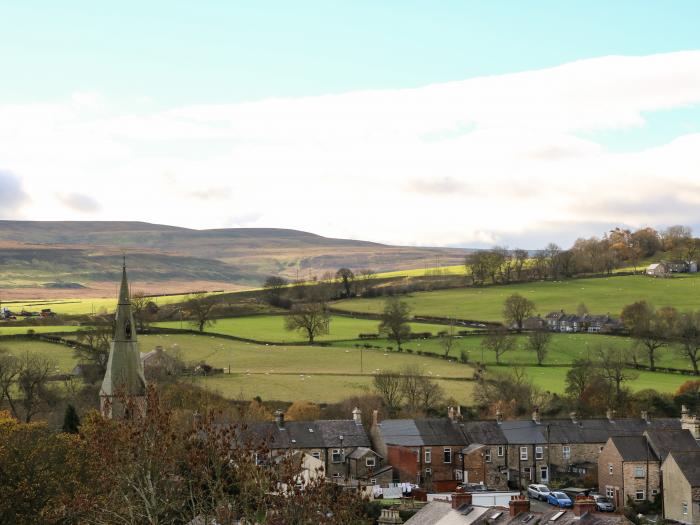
{"type": "Point", "coordinates": [539, 492]}
{"type": "Point", "coordinates": [604, 504]}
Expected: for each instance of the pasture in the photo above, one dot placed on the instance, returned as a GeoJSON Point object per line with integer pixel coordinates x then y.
{"type": "Point", "coordinates": [600, 295]}
{"type": "Point", "coordinates": [270, 328]}
{"type": "Point", "coordinates": [39, 329]}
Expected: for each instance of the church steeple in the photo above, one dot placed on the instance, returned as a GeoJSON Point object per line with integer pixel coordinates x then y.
{"type": "Point", "coordinates": [124, 379]}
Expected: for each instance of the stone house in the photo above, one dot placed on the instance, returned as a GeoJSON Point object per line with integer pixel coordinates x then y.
{"type": "Point", "coordinates": [485, 459]}
{"type": "Point", "coordinates": [657, 270]}
{"type": "Point", "coordinates": [342, 446]}
{"type": "Point", "coordinates": [681, 470]}
{"type": "Point", "coordinates": [422, 451]}
{"type": "Point", "coordinates": [629, 467]}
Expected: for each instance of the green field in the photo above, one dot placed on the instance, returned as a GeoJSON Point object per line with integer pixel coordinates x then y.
{"type": "Point", "coordinates": [271, 328]}
{"type": "Point", "coordinates": [39, 329]}
{"type": "Point", "coordinates": [61, 354]}
{"type": "Point", "coordinates": [604, 295]}
{"type": "Point", "coordinates": [563, 350]}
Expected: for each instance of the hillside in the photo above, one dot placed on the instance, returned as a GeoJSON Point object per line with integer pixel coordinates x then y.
{"type": "Point", "coordinates": [37, 255]}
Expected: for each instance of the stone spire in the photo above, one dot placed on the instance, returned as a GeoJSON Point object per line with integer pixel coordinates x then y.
{"type": "Point", "coordinates": [124, 374]}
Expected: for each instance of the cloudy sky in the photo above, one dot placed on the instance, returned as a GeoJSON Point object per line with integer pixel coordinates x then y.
{"type": "Point", "coordinates": [430, 123]}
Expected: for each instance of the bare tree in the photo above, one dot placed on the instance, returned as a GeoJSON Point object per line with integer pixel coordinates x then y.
{"type": "Point", "coordinates": [139, 307]}
{"type": "Point", "coordinates": [34, 372]}
{"type": "Point", "coordinates": [516, 309]}
{"type": "Point", "coordinates": [389, 386]}
{"type": "Point", "coordinates": [9, 370]}
{"type": "Point", "coordinates": [538, 341]}
{"type": "Point", "coordinates": [200, 307]}
{"type": "Point", "coordinates": [394, 320]}
{"type": "Point", "coordinates": [94, 349]}
{"type": "Point", "coordinates": [650, 328]}
{"type": "Point", "coordinates": [612, 363]}
{"type": "Point", "coordinates": [448, 340]}
{"type": "Point", "coordinates": [274, 286]}
{"type": "Point", "coordinates": [430, 394]}
{"type": "Point", "coordinates": [687, 334]}
{"type": "Point", "coordinates": [312, 319]}
{"type": "Point", "coordinates": [498, 341]}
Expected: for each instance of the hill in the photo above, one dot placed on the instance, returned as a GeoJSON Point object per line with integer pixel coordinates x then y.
{"type": "Point", "coordinates": [85, 256]}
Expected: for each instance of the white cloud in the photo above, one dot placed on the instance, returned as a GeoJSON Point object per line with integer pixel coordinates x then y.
{"type": "Point", "coordinates": [469, 161]}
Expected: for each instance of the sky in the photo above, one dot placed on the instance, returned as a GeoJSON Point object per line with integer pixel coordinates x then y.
{"type": "Point", "coordinates": [465, 123]}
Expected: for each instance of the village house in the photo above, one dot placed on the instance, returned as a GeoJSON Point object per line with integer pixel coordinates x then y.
{"type": "Point", "coordinates": [629, 467]}
{"type": "Point", "coordinates": [342, 446]}
{"type": "Point", "coordinates": [422, 451]}
{"type": "Point", "coordinates": [570, 323]}
{"type": "Point", "coordinates": [681, 470]}
{"type": "Point", "coordinates": [485, 459]}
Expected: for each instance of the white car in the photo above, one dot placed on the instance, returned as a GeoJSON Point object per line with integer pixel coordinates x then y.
{"type": "Point", "coordinates": [539, 492]}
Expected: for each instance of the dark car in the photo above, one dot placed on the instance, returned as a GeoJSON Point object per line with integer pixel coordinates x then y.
{"type": "Point", "coordinates": [559, 499]}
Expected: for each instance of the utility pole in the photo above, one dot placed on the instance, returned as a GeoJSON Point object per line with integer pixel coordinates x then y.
{"type": "Point", "coordinates": [361, 367]}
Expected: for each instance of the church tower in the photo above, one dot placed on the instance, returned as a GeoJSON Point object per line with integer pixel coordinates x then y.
{"type": "Point", "coordinates": [123, 389]}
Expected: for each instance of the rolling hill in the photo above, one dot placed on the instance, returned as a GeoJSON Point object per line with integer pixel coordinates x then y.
{"type": "Point", "coordinates": [41, 255]}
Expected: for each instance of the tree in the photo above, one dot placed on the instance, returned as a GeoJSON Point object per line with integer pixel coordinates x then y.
{"type": "Point", "coordinates": [651, 329]}
{"type": "Point", "coordinates": [612, 363]}
{"type": "Point", "coordinates": [430, 394]}
{"type": "Point", "coordinates": [516, 309]}
{"type": "Point", "coordinates": [366, 275]}
{"type": "Point", "coordinates": [274, 286]}
{"type": "Point", "coordinates": [346, 278]}
{"type": "Point", "coordinates": [200, 306]}
{"type": "Point", "coordinates": [394, 320]}
{"type": "Point", "coordinates": [139, 307]}
{"type": "Point", "coordinates": [448, 339]}
{"type": "Point", "coordinates": [519, 258]}
{"type": "Point", "coordinates": [389, 386]}
{"type": "Point", "coordinates": [71, 421]}
{"type": "Point", "coordinates": [687, 334]}
{"type": "Point", "coordinates": [32, 382]}
{"type": "Point", "coordinates": [498, 341]}
{"type": "Point", "coordinates": [312, 319]}
{"type": "Point", "coordinates": [476, 264]}
{"type": "Point", "coordinates": [538, 341]}
{"type": "Point", "coordinates": [303, 411]}
{"type": "Point", "coordinates": [586, 388]}
{"type": "Point", "coordinates": [93, 348]}
{"type": "Point", "coordinates": [9, 370]}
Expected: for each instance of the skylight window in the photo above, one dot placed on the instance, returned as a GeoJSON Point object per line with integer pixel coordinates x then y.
{"type": "Point", "coordinates": [557, 515]}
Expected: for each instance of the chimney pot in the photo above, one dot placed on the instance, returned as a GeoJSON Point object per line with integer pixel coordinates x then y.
{"type": "Point", "coordinates": [584, 505]}
{"type": "Point", "coordinates": [499, 417]}
{"type": "Point", "coordinates": [645, 416]}
{"type": "Point", "coordinates": [536, 415]}
{"type": "Point", "coordinates": [610, 414]}
{"type": "Point", "coordinates": [357, 416]}
{"type": "Point", "coordinates": [375, 417]}
{"type": "Point", "coordinates": [518, 505]}
{"type": "Point", "coordinates": [279, 418]}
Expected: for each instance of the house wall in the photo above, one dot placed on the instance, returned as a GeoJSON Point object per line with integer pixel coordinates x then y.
{"type": "Point", "coordinates": [615, 481]}
{"type": "Point", "coordinates": [681, 493]}
{"type": "Point", "coordinates": [410, 465]}
{"type": "Point", "coordinates": [650, 483]}
{"type": "Point", "coordinates": [403, 460]}
{"type": "Point", "coordinates": [492, 473]}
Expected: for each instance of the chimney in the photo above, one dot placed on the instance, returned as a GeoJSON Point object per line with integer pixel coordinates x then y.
{"type": "Point", "coordinates": [690, 423]}
{"type": "Point", "coordinates": [279, 418]}
{"type": "Point", "coordinates": [573, 416]}
{"type": "Point", "coordinates": [518, 505]}
{"type": "Point", "coordinates": [461, 498]}
{"type": "Point", "coordinates": [451, 413]}
{"type": "Point", "coordinates": [584, 505]}
{"type": "Point", "coordinates": [499, 417]}
{"type": "Point", "coordinates": [389, 517]}
{"type": "Point", "coordinates": [610, 414]}
{"type": "Point", "coordinates": [375, 417]}
{"type": "Point", "coordinates": [357, 416]}
{"type": "Point", "coordinates": [536, 415]}
{"type": "Point", "coordinates": [645, 416]}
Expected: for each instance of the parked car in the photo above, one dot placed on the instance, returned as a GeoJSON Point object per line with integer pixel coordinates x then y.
{"type": "Point", "coordinates": [474, 487]}
{"type": "Point", "coordinates": [604, 504]}
{"type": "Point", "coordinates": [559, 499]}
{"type": "Point", "coordinates": [540, 492]}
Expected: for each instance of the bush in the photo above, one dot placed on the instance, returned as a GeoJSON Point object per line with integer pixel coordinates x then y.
{"type": "Point", "coordinates": [464, 357]}
{"type": "Point", "coordinates": [409, 351]}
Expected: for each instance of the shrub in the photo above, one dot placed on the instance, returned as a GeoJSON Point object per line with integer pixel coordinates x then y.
{"type": "Point", "coordinates": [464, 357]}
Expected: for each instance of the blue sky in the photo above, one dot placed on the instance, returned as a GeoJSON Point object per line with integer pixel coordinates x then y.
{"type": "Point", "coordinates": [122, 69]}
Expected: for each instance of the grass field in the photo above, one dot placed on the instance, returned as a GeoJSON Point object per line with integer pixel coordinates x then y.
{"type": "Point", "coordinates": [61, 354]}
{"type": "Point", "coordinates": [271, 328]}
{"type": "Point", "coordinates": [39, 329]}
{"type": "Point", "coordinates": [563, 349]}
{"type": "Point", "coordinates": [604, 295]}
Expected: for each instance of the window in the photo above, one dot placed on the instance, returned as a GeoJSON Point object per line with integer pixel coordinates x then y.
{"type": "Point", "coordinates": [487, 455]}
{"type": "Point", "coordinates": [523, 453]}
{"type": "Point", "coordinates": [527, 473]}
{"type": "Point", "coordinates": [566, 452]}
{"type": "Point", "coordinates": [259, 460]}
{"type": "Point", "coordinates": [684, 508]}
{"type": "Point", "coordinates": [428, 471]}
{"type": "Point", "coordinates": [610, 468]}
{"type": "Point", "coordinates": [458, 475]}
{"type": "Point", "coordinates": [539, 452]}
{"type": "Point", "coordinates": [428, 455]}
{"type": "Point", "coordinates": [370, 462]}
{"type": "Point", "coordinates": [501, 451]}
{"type": "Point", "coordinates": [610, 492]}
{"type": "Point", "coordinates": [639, 495]}
{"type": "Point", "coordinates": [372, 481]}
{"type": "Point", "coordinates": [654, 492]}
{"type": "Point", "coordinates": [600, 449]}
{"type": "Point", "coordinates": [638, 472]}
{"type": "Point", "coordinates": [544, 473]}
{"type": "Point", "coordinates": [337, 456]}
{"type": "Point", "coordinates": [447, 455]}
{"type": "Point", "coordinates": [316, 455]}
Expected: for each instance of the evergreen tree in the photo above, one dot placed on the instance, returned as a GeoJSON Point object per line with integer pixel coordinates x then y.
{"type": "Point", "coordinates": [71, 421]}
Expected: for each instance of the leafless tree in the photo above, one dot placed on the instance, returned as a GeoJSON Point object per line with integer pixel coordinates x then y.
{"type": "Point", "coordinates": [312, 319]}
{"type": "Point", "coordinates": [200, 307]}
{"type": "Point", "coordinates": [32, 379]}
{"type": "Point", "coordinates": [612, 363]}
{"type": "Point", "coordinates": [538, 341]}
{"type": "Point", "coordinates": [389, 386]}
{"type": "Point", "coordinates": [448, 340]}
{"type": "Point", "coordinates": [687, 334]}
{"type": "Point", "coordinates": [498, 341]}
{"type": "Point", "coordinates": [394, 320]}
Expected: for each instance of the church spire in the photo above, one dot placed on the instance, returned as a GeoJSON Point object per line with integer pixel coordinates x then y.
{"type": "Point", "coordinates": [124, 375]}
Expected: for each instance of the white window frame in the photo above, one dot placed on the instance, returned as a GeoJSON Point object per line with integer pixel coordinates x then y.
{"type": "Point", "coordinates": [523, 453]}
{"type": "Point", "coordinates": [334, 453]}
{"type": "Point", "coordinates": [684, 508]}
{"type": "Point", "coordinates": [610, 492]}
{"type": "Point", "coordinates": [637, 493]}
{"type": "Point", "coordinates": [487, 455]}
{"type": "Point", "coordinates": [639, 472]}
{"type": "Point", "coordinates": [316, 455]}
{"type": "Point", "coordinates": [447, 453]}
{"type": "Point", "coordinates": [528, 473]}
{"type": "Point", "coordinates": [545, 471]}
{"type": "Point", "coordinates": [458, 474]}
{"type": "Point", "coordinates": [428, 471]}
{"type": "Point", "coordinates": [371, 461]}
{"type": "Point", "coordinates": [566, 452]}
{"type": "Point", "coordinates": [501, 451]}
{"type": "Point", "coordinates": [539, 452]}
{"type": "Point", "coordinates": [610, 468]}
{"type": "Point", "coordinates": [428, 455]}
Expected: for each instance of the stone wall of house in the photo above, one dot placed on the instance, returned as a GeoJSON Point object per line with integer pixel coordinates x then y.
{"type": "Point", "coordinates": [650, 483]}
{"type": "Point", "coordinates": [681, 493]}
{"type": "Point", "coordinates": [496, 468]}
{"type": "Point", "coordinates": [606, 481]}
{"type": "Point", "coordinates": [439, 470]}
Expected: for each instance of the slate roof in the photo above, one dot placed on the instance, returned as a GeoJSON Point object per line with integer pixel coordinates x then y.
{"type": "Point", "coordinates": [664, 441]}
{"type": "Point", "coordinates": [689, 464]}
{"type": "Point", "coordinates": [484, 432]}
{"type": "Point", "coordinates": [360, 452]}
{"type": "Point", "coordinates": [309, 434]}
{"type": "Point", "coordinates": [633, 448]}
{"type": "Point", "coordinates": [421, 432]}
